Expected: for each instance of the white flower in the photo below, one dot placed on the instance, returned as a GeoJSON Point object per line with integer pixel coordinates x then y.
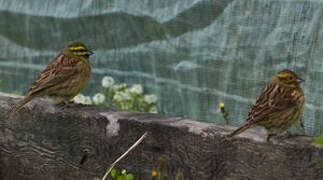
{"type": "Point", "coordinates": [117, 97]}
{"type": "Point", "coordinates": [118, 87]}
{"type": "Point", "coordinates": [87, 100]}
{"type": "Point", "coordinates": [79, 99]}
{"type": "Point", "coordinates": [136, 88]}
{"type": "Point", "coordinates": [153, 109]}
{"type": "Point", "coordinates": [98, 98]}
{"type": "Point", "coordinates": [107, 81]}
{"type": "Point", "coordinates": [121, 96]}
{"type": "Point", "coordinates": [150, 98]}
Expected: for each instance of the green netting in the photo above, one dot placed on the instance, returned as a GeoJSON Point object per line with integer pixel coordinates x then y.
{"type": "Point", "coordinates": [193, 54]}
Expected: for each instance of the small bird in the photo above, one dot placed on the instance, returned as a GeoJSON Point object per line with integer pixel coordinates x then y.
{"type": "Point", "coordinates": [280, 105]}
{"type": "Point", "coordinates": [65, 76]}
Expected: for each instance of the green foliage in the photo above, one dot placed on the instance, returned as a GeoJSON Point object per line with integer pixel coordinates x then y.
{"type": "Point", "coordinates": [128, 99]}
{"type": "Point", "coordinates": [16, 93]}
{"type": "Point", "coordinates": [158, 174]}
{"type": "Point", "coordinates": [124, 97]}
{"type": "Point", "coordinates": [13, 92]}
{"type": "Point", "coordinates": [121, 96]}
{"type": "Point", "coordinates": [318, 140]}
{"type": "Point", "coordinates": [179, 175]}
{"type": "Point", "coordinates": [115, 174]}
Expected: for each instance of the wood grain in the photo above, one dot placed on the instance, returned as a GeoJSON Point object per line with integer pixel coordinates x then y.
{"type": "Point", "coordinates": [47, 142]}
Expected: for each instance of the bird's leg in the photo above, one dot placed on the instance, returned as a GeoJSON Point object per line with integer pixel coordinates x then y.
{"type": "Point", "coordinates": [61, 103]}
{"type": "Point", "coordinates": [269, 136]}
{"type": "Point", "coordinates": [72, 103]}
{"type": "Point", "coordinates": [64, 104]}
{"type": "Point", "coordinates": [287, 135]}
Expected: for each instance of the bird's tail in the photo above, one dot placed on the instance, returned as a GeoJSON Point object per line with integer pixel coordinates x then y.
{"type": "Point", "coordinates": [240, 129]}
{"type": "Point", "coordinates": [20, 105]}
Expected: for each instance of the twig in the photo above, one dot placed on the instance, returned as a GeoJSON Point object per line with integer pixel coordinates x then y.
{"type": "Point", "coordinates": [125, 154]}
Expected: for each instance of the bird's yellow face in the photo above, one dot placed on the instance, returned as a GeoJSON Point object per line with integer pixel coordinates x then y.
{"type": "Point", "coordinates": [77, 49]}
{"type": "Point", "coordinates": [287, 78]}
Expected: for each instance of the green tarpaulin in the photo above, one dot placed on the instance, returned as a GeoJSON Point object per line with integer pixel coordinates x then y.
{"type": "Point", "coordinates": [193, 54]}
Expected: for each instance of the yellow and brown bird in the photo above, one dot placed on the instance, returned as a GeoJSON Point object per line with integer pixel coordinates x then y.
{"type": "Point", "coordinates": [65, 76]}
{"type": "Point", "coordinates": [279, 106]}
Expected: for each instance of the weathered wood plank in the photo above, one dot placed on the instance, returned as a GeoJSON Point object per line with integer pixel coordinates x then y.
{"type": "Point", "coordinates": [44, 141]}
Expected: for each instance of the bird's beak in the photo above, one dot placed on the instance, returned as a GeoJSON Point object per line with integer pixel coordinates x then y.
{"type": "Point", "coordinates": [300, 80]}
{"type": "Point", "coordinates": [89, 52]}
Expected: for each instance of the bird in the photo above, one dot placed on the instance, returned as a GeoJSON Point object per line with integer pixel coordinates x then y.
{"type": "Point", "coordinates": [280, 105]}
{"type": "Point", "coordinates": [64, 77]}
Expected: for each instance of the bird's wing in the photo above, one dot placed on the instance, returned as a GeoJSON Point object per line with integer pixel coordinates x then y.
{"type": "Point", "coordinates": [59, 70]}
{"type": "Point", "coordinates": [273, 100]}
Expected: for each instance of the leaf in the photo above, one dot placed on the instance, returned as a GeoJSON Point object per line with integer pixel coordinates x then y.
{"type": "Point", "coordinates": [130, 177]}
{"type": "Point", "coordinates": [179, 175]}
{"type": "Point", "coordinates": [318, 140]}
{"type": "Point", "coordinates": [114, 173]}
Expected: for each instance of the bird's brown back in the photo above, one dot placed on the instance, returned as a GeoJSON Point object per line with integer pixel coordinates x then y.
{"type": "Point", "coordinates": [275, 101]}
{"type": "Point", "coordinates": [57, 71]}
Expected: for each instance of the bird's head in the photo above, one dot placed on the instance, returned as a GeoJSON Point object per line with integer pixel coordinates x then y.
{"type": "Point", "coordinates": [77, 49]}
{"type": "Point", "coordinates": [287, 78]}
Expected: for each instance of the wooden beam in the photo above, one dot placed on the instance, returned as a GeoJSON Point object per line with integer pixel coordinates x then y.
{"type": "Point", "coordinates": [44, 141]}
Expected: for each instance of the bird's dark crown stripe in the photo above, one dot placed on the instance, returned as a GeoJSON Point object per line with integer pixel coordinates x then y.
{"type": "Point", "coordinates": [79, 50]}
{"type": "Point", "coordinates": [80, 53]}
